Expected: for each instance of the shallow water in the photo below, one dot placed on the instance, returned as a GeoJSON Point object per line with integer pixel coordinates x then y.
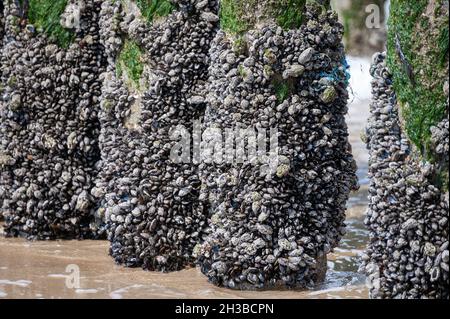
{"type": "Point", "coordinates": [38, 269]}
{"type": "Point", "coordinates": [42, 270]}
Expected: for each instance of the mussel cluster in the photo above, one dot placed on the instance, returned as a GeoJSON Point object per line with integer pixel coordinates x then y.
{"type": "Point", "coordinates": [273, 222]}
{"type": "Point", "coordinates": [408, 253]}
{"type": "Point", "coordinates": [49, 125]}
{"type": "Point", "coordinates": [148, 200]}
{"type": "Point", "coordinates": [89, 136]}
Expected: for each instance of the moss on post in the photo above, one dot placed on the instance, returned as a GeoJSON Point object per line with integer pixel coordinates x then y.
{"type": "Point", "coordinates": [45, 15]}
{"type": "Point", "coordinates": [239, 16]}
{"type": "Point", "coordinates": [152, 9]}
{"type": "Point", "coordinates": [418, 59]}
{"type": "Point", "coordinates": [130, 63]}
{"type": "Point", "coordinates": [231, 16]}
{"type": "Point", "coordinates": [289, 13]}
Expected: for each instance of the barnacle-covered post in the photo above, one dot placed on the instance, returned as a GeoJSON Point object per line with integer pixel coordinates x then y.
{"type": "Point", "coordinates": [50, 65]}
{"type": "Point", "coordinates": [2, 21]}
{"type": "Point", "coordinates": [2, 30]}
{"type": "Point", "coordinates": [407, 137]}
{"type": "Point", "coordinates": [158, 57]}
{"type": "Point", "coordinates": [276, 66]}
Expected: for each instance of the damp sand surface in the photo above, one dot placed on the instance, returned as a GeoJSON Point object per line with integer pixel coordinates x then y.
{"type": "Point", "coordinates": [43, 269]}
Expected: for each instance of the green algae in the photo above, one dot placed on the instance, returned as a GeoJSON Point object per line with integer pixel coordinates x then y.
{"type": "Point", "coordinates": [153, 9]}
{"type": "Point", "coordinates": [283, 88]}
{"type": "Point", "coordinates": [282, 91]}
{"type": "Point", "coordinates": [418, 81]}
{"type": "Point", "coordinates": [289, 13]}
{"type": "Point", "coordinates": [45, 15]}
{"type": "Point", "coordinates": [130, 61]}
{"type": "Point", "coordinates": [239, 16]}
{"type": "Point", "coordinates": [231, 16]}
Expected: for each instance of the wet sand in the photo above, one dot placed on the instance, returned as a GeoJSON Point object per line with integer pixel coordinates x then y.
{"type": "Point", "coordinates": [38, 269]}
{"type": "Point", "coordinates": [43, 269]}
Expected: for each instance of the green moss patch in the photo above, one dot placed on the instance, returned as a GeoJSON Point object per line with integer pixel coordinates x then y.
{"type": "Point", "coordinates": [130, 63]}
{"type": "Point", "coordinates": [45, 15]}
{"type": "Point", "coordinates": [239, 16]}
{"type": "Point", "coordinates": [442, 180]}
{"type": "Point", "coordinates": [232, 14]}
{"type": "Point", "coordinates": [443, 44]}
{"type": "Point", "coordinates": [152, 9]}
{"type": "Point", "coordinates": [289, 13]}
{"type": "Point", "coordinates": [346, 21]}
{"type": "Point", "coordinates": [282, 91]}
{"type": "Point", "coordinates": [283, 88]}
{"type": "Point", "coordinates": [241, 71]}
{"type": "Point", "coordinates": [418, 81]}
